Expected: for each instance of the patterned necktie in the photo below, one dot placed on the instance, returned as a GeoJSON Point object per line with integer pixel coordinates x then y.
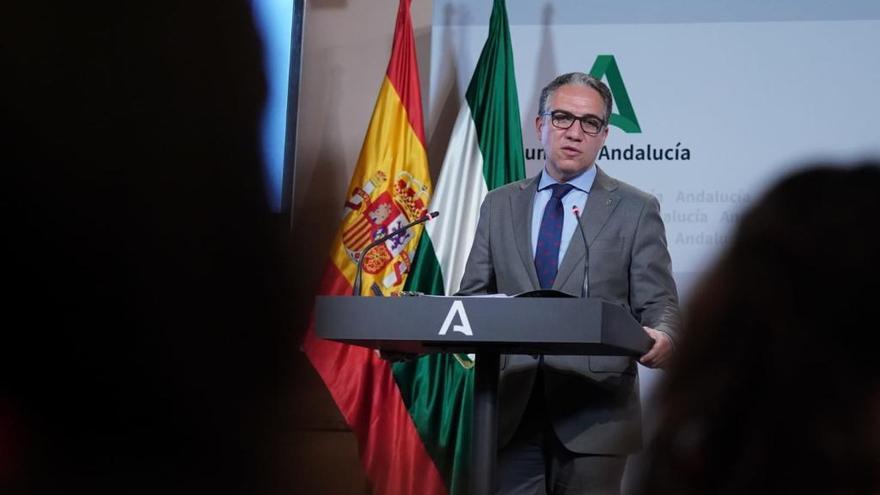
{"type": "Point", "coordinates": [549, 237]}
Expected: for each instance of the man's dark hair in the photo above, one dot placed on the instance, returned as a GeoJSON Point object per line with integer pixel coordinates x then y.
{"type": "Point", "coordinates": [579, 79]}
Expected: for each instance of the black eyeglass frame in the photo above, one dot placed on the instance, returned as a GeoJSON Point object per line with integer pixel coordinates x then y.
{"type": "Point", "coordinates": [583, 121]}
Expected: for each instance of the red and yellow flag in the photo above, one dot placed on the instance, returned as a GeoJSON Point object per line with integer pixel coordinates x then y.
{"type": "Point", "coordinates": [390, 187]}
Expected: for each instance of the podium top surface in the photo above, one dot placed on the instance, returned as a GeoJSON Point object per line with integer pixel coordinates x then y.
{"type": "Point", "coordinates": [525, 325]}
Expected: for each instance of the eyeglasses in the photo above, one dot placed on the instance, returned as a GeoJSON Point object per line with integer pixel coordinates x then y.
{"type": "Point", "coordinates": [590, 124]}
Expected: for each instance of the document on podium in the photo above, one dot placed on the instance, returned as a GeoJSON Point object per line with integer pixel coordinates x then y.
{"type": "Point", "coordinates": [530, 293]}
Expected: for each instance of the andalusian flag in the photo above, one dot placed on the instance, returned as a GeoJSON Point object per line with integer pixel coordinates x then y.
{"type": "Point", "coordinates": [485, 152]}
{"type": "Point", "coordinates": [389, 188]}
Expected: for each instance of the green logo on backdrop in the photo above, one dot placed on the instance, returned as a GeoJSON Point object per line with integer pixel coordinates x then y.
{"type": "Point", "coordinates": [605, 66]}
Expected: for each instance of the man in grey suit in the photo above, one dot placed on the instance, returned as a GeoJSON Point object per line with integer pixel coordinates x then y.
{"type": "Point", "coordinates": [567, 423]}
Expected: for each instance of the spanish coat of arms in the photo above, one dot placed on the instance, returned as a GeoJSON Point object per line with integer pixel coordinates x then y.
{"type": "Point", "coordinates": [375, 209]}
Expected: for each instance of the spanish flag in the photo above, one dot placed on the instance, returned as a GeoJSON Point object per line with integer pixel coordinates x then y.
{"type": "Point", "coordinates": [390, 187]}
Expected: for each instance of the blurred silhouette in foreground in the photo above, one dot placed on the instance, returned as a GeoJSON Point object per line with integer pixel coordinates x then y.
{"type": "Point", "coordinates": [144, 325]}
{"type": "Point", "coordinates": [775, 386]}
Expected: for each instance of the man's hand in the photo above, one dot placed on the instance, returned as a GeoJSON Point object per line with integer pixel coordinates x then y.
{"type": "Point", "coordinates": [660, 352]}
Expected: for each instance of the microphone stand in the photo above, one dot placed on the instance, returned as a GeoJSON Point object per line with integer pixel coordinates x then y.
{"type": "Point", "coordinates": [585, 290]}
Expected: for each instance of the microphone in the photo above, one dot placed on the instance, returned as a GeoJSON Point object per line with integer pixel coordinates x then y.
{"type": "Point", "coordinates": [356, 291]}
{"type": "Point", "coordinates": [586, 288]}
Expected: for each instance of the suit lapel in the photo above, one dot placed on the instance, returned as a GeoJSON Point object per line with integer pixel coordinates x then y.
{"type": "Point", "coordinates": [521, 202]}
{"type": "Point", "coordinates": [601, 201]}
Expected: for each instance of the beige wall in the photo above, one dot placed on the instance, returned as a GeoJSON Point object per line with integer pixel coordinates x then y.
{"type": "Point", "coordinates": [346, 45]}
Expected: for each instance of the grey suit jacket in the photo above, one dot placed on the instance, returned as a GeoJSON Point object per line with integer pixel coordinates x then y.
{"type": "Point", "coordinates": [592, 401]}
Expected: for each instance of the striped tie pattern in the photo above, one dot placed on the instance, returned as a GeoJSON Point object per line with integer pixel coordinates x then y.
{"type": "Point", "coordinates": [549, 237]}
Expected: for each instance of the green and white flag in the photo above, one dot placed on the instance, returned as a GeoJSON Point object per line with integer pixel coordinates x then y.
{"type": "Point", "coordinates": [485, 151]}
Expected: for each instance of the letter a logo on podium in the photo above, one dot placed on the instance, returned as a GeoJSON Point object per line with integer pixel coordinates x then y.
{"type": "Point", "coordinates": [465, 327]}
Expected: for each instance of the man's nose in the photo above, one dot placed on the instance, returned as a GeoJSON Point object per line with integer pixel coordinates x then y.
{"type": "Point", "coordinates": [575, 133]}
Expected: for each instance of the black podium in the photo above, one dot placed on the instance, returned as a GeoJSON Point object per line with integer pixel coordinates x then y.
{"type": "Point", "coordinates": [487, 327]}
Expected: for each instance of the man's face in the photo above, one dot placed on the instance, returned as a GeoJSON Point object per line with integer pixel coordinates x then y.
{"type": "Point", "coordinates": [571, 151]}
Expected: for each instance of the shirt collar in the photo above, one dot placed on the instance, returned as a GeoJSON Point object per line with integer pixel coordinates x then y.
{"type": "Point", "coordinates": [584, 182]}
